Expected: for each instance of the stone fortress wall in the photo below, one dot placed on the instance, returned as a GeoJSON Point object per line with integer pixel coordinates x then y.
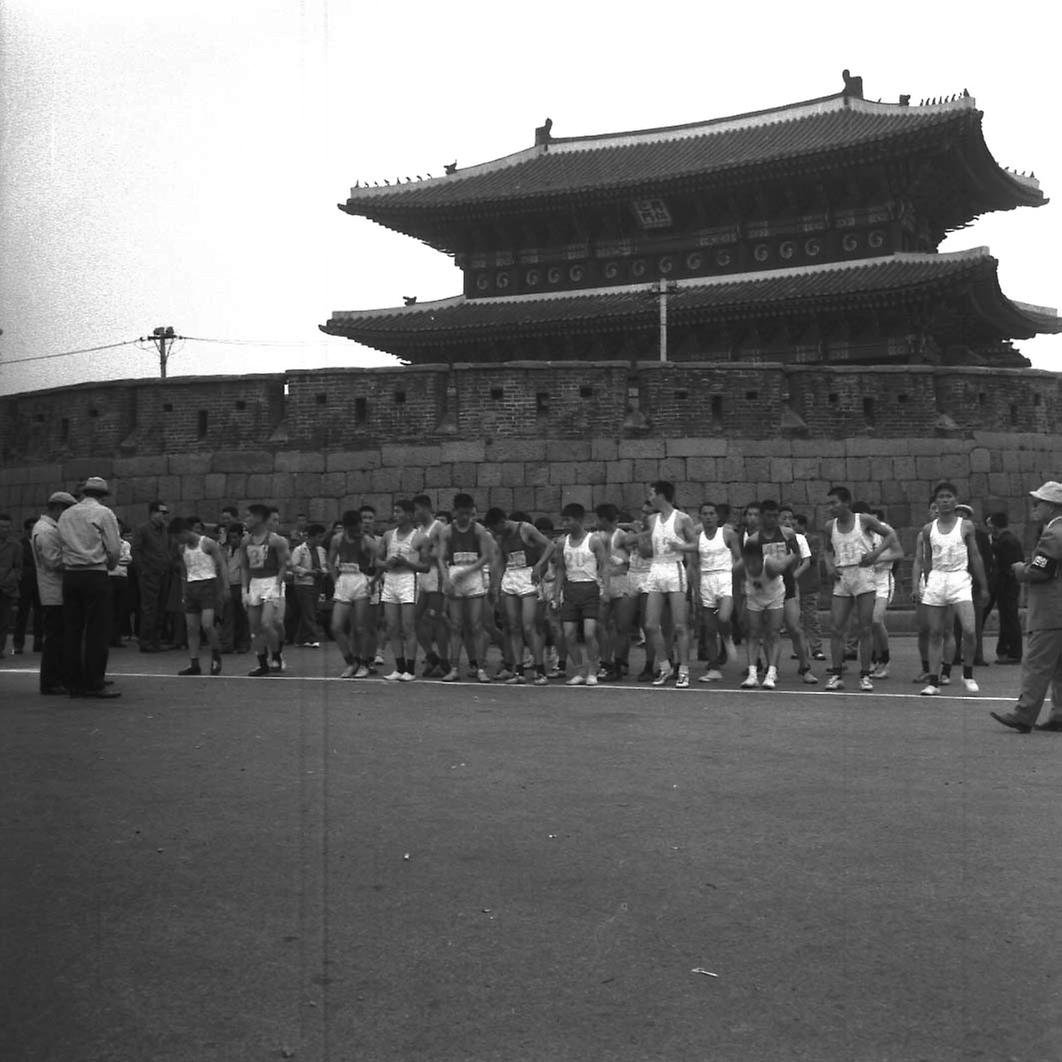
{"type": "Point", "coordinates": [536, 436]}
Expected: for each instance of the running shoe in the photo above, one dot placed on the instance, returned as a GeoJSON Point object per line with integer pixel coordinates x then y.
{"type": "Point", "coordinates": [379, 660]}
{"type": "Point", "coordinates": [540, 680]}
{"type": "Point", "coordinates": [278, 663]}
{"type": "Point", "coordinates": [192, 669]}
{"type": "Point", "coordinates": [350, 671]}
{"type": "Point", "coordinates": [835, 683]}
{"type": "Point", "coordinates": [930, 691]}
{"type": "Point", "coordinates": [555, 672]}
{"type": "Point", "coordinates": [711, 675]}
{"type": "Point", "coordinates": [865, 684]}
{"type": "Point", "coordinates": [971, 685]}
{"type": "Point", "coordinates": [407, 676]}
{"type": "Point", "coordinates": [481, 675]}
{"type": "Point", "coordinates": [515, 680]}
{"type": "Point", "coordinates": [394, 676]}
{"type": "Point", "coordinates": [880, 672]}
{"type": "Point", "coordinates": [504, 675]}
{"type": "Point", "coordinates": [770, 679]}
{"type": "Point", "coordinates": [683, 680]}
{"type": "Point", "coordinates": [362, 672]}
{"type": "Point", "coordinates": [808, 677]}
{"type": "Point", "coordinates": [577, 680]}
{"type": "Point", "coordinates": [453, 675]}
{"type": "Point", "coordinates": [259, 672]}
{"type": "Point", "coordinates": [591, 680]}
{"type": "Point", "coordinates": [818, 654]}
{"type": "Point", "coordinates": [663, 675]}
{"type": "Point", "coordinates": [751, 681]}
{"type": "Point", "coordinates": [945, 680]}
{"type": "Point", "coordinates": [215, 664]}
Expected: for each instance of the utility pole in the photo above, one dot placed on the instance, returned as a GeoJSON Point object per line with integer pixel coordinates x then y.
{"type": "Point", "coordinates": [162, 336]}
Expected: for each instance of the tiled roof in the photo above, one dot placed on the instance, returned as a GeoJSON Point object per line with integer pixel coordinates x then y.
{"type": "Point", "coordinates": [879, 281]}
{"type": "Point", "coordinates": [646, 159]}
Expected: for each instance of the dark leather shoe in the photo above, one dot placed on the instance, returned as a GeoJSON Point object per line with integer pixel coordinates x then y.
{"type": "Point", "coordinates": [1053, 725]}
{"type": "Point", "coordinates": [1002, 661]}
{"type": "Point", "coordinates": [1011, 720]}
{"type": "Point", "coordinates": [105, 694]}
{"type": "Point", "coordinates": [54, 691]}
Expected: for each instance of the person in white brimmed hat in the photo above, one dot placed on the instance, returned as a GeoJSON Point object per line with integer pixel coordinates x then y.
{"type": "Point", "coordinates": [91, 545]}
{"type": "Point", "coordinates": [1041, 665]}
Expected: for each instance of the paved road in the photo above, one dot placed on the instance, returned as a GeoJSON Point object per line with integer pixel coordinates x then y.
{"type": "Point", "coordinates": [229, 869]}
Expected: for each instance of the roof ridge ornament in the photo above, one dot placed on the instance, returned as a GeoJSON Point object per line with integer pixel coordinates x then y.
{"type": "Point", "coordinates": [544, 134]}
{"type": "Point", "coordinates": [853, 84]}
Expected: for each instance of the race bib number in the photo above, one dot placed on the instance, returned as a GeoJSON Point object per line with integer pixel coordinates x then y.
{"type": "Point", "coordinates": [517, 559]}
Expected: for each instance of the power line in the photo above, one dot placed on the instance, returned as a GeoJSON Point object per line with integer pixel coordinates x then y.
{"type": "Point", "coordinates": [260, 342]}
{"type": "Point", "coordinates": [68, 353]}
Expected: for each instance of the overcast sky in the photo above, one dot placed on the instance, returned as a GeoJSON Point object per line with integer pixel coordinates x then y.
{"type": "Point", "coordinates": [181, 164]}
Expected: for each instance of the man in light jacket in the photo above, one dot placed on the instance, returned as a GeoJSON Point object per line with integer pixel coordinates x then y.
{"type": "Point", "coordinates": [91, 545]}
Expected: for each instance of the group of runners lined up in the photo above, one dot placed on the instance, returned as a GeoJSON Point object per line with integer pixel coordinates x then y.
{"type": "Point", "coordinates": [447, 583]}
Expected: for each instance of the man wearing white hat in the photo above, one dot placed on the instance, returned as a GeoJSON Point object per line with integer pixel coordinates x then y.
{"type": "Point", "coordinates": [91, 545]}
{"type": "Point", "coordinates": [1042, 663]}
{"type": "Point", "coordinates": [48, 551]}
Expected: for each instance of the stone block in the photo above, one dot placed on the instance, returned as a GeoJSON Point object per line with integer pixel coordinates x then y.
{"type": "Point", "coordinates": [781, 470]}
{"type": "Point", "coordinates": [516, 450]}
{"type": "Point", "coordinates": [463, 475]}
{"type": "Point", "coordinates": [578, 492]}
{"type": "Point", "coordinates": [631, 496]}
{"type": "Point", "coordinates": [978, 484]}
{"type": "Point", "coordinates": [865, 446]}
{"type": "Point", "coordinates": [757, 468]}
{"type": "Point", "coordinates": [357, 482]}
{"type": "Point", "coordinates": [590, 472]}
{"type": "Point", "coordinates": [411, 480]}
{"type": "Point", "coordinates": [903, 468]}
{"type": "Point", "coordinates": [237, 486]}
{"type": "Point", "coordinates": [462, 450]}
{"type": "Point", "coordinates": [739, 494]}
{"type": "Point", "coordinates": [697, 447]}
{"type": "Point", "coordinates": [383, 480]}
{"type": "Point", "coordinates": [857, 468]}
{"type": "Point", "coordinates": [563, 473]}
{"type": "Point", "coordinates": [536, 473]}
{"type": "Point", "coordinates": [489, 474]}
{"type": "Point", "coordinates": [352, 460]}
{"type": "Point", "coordinates": [619, 471]}
{"type": "Point", "coordinates": [955, 466]}
{"type": "Point", "coordinates": [925, 447]}
{"type": "Point", "coordinates": [642, 448]}
{"type": "Point", "coordinates": [731, 469]}
{"type": "Point", "coordinates": [702, 469]}
{"type": "Point", "coordinates": [142, 488]}
{"type": "Point", "coordinates": [141, 466]}
{"type": "Point", "coordinates": [401, 455]}
{"type": "Point", "coordinates": [604, 449]}
{"type": "Point", "coordinates": [773, 447]}
{"type": "Point", "coordinates": [502, 497]}
{"type": "Point", "coordinates": [567, 450]}
{"type": "Point", "coordinates": [308, 484]}
{"type": "Point", "coordinates": [804, 468]}
{"type": "Point", "coordinates": [672, 469]}
{"type": "Point", "coordinates": [189, 464]}
{"type": "Point", "coordinates": [246, 461]}
{"type": "Point", "coordinates": [646, 470]}
{"type": "Point", "coordinates": [928, 467]}
{"type": "Point", "coordinates": [193, 489]}
{"type": "Point", "coordinates": [512, 473]}
{"type": "Point", "coordinates": [1010, 461]}
{"type": "Point", "coordinates": [259, 485]}
{"type": "Point", "coordinates": [833, 470]}
{"type": "Point", "coordinates": [881, 469]}
{"type": "Point", "coordinates": [170, 489]}
{"type": "Point", "coordinates": [301, 461]}
{"type": "Point", "coordinates": [796, 493]}
{"type": "Point", "coordinates": [980, 459]}
{"type": "Point", "coordinates": [80, 468]}
{"type": "Point", "coordinates": [283, 486]}
{"type": "Point", "coordinates": [524, 500]}
{"type": "Point", "coordinates": [547, 502]}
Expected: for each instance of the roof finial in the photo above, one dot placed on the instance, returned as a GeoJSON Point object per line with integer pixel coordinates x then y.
{"type": "Point", "coordinates": [542, 133]}
{"type": "Point", "coordinates": [853, 85]}
{"type": "Point", "coordinates": [905, 100]}
{"type": "Point", "coordinates": [451, 167]}
{"type": "Point", "coordinates": [409, 300]}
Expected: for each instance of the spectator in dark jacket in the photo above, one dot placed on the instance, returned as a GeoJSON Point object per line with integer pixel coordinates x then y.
{"type": "Point", "coordinates": [10, 578]}
{"type": "Point", "coordinates": [1006, 590]}
{"type": "Point", "coordinates": [153, 556]}
{"type": "Point", "coordinates": [29, 599]}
